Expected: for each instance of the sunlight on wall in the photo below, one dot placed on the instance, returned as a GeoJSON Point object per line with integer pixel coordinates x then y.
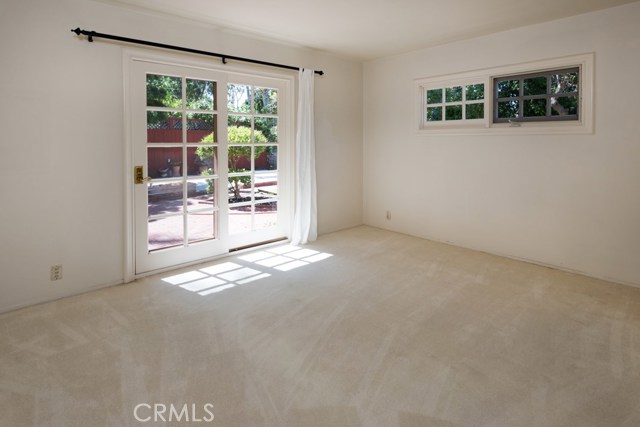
{"type": "Point", "coordinates": [227, 275]}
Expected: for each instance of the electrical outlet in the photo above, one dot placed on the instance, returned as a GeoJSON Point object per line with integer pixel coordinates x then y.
{"type": "Point", "coordinates": [388, 215]}
{"type": "Point", "coordinates": [56, 272]}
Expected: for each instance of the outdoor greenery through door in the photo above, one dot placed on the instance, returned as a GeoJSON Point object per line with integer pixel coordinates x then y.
{"type": "Point", "coordinates": [211, 149]}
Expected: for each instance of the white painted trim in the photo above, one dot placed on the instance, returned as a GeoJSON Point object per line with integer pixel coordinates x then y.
{"type": "Point", "coordinates": [554, 266]}
{"type": "Point", "coordinates": [516, 258]}
{"type": "Point", "coordinates": [482, 127]}
{"type": "Point", "coordinates": [70, 294]}
{"type": "Point", "coordinates": [129, 230]}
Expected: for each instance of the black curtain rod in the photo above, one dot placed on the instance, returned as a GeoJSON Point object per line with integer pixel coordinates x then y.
{"type": "Point", "coordinates": [92, 34]}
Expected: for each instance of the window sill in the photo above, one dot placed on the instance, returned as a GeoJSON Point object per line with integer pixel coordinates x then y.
{"type": "Point", "coordinates": [524, 128]}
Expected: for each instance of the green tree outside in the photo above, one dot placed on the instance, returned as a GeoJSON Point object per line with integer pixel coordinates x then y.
{"type": "Point", "coordinates": [236, 135]}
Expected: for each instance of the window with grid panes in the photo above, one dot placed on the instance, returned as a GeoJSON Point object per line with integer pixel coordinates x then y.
{"type": "Point", "coordinates": [539, 96]}
{"type": "Point", "coordinates": [454, 103]}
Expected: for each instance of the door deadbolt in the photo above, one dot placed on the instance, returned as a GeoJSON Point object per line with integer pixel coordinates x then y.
{"type": "Point", "coordinates": [139, 177]}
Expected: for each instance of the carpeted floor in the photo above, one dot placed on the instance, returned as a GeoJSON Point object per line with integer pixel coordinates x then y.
{"type": "Point", "coordinates": [362, 328]}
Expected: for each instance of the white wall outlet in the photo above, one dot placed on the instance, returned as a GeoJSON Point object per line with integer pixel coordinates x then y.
{"type": "Point", "coordinates": [388, 215]}
{"type": "Point", "coordinates": [56, 272]}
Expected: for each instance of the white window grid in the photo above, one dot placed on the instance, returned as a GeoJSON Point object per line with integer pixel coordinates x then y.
{"type": "Point", "coordinates": [464, 102]}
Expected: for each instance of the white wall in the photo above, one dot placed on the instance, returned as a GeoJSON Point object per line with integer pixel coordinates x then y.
{"type": "Point", "coordinates": [62, 148]}
{"type": "Point", "coordinates": [571, 201]}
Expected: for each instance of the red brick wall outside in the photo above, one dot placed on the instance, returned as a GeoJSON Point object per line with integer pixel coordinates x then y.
{"type": "Point", "coordinates": [158, 157]}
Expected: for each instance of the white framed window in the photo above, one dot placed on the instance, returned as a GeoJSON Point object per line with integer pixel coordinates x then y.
{"type": "Point", "coordinates": [547, 96]}
{"type": "Point", "coordinates": [456, 103]}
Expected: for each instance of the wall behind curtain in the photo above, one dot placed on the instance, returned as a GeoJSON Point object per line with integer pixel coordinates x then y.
{"type": "Point", "coordinates": [62, 149]}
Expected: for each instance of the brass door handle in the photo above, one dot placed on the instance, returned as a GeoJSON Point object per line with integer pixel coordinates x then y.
{"type": "Point", "coordinates": [138, 175]}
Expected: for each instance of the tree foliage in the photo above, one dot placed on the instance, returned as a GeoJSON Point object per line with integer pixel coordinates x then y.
{"type": "Point", "coordinates": [167, 92]}
{"type": "Point", "coordinates": [236, 135]}
{"type": "Point", "coordinates": [529, 95]}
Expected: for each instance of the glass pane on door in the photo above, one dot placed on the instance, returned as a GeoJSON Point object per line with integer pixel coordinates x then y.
{"type": "Point", "coordinates": [165, 198]}
{"type": "Point", "coordinates": [207, 157]}
{"type": "Point", "coordinates": [266, 215]}
{"type": "Point", "coordinates": [202, 226]}
{"type": "Point", "coordinates": [252, 158]}
{"type": "Point", "coordinates": [164, 126]}
{"type": "Point", "coordinates": [181, 148]}
{"type": "Point", "coordinates": [164, 91]}
{"type": "Point", "coordinates": [165, 232]}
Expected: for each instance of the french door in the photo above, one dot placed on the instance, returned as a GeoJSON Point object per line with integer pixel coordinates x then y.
{"type": "Point", "coordinates": [211, 154]}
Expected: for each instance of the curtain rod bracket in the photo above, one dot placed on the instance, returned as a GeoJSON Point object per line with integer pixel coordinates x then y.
{"type": "Point", "coordinates": [224, 60]}
{"type": "Point", "coordinates": [89, 34]}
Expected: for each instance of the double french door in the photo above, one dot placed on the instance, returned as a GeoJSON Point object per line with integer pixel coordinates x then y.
{"type": "Point", "coordinates": [211, 155]}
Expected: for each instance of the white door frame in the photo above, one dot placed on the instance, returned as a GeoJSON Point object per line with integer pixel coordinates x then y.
{"type": "Point", "coordinates": [235, 73]}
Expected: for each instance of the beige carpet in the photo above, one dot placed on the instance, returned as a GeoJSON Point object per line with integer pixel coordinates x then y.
{"type": "Point", "coordinates": [361, 328]}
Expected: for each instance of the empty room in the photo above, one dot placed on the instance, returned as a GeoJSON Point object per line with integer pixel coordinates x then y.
{"type": "Point", "coordinates": [308, 214]}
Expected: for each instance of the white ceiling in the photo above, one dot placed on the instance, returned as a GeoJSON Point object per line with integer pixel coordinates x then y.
{"type": "Point", "coordinates": [367, 29]}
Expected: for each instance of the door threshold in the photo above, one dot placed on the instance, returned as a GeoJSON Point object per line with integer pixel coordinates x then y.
{"type": "Point", "coordinates": [256, 245]}
{"type": "Point", "coordinates": [235, 251]}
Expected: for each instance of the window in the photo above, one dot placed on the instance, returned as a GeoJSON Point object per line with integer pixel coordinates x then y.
{"type": "Point", "coordinates": [540, 96]}
{"type": "Point", "coordinates": [548, 96]}
{"type": "Point", "coordinates": [455, 103]}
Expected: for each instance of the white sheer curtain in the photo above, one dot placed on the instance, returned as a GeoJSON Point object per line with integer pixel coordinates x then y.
{"type": "Point", "coordinates": [305, 219]}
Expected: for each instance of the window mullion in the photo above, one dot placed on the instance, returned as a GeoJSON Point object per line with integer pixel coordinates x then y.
{"type": "Point", "coordinates": [497, 101]}
{"type": "Point", "coordinates": [549, 95]}
{"type": "Point", "coordinates": [520, 99]}
{"type": "Point", "coordinates": [464, 102]}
